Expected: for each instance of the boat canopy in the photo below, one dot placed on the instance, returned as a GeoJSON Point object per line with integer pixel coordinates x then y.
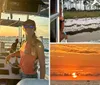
{"type": "Point", "coordinates": [14, 23]}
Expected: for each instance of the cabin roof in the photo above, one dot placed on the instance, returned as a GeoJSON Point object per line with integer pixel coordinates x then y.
{"type": "Point", "coordinates": [14, 23]}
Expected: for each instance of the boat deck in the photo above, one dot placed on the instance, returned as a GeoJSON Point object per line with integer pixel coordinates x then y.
{"type": "Point", "coordinates": [5, 70]}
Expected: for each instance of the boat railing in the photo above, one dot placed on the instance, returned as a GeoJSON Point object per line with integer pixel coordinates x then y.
{"type": "Point", "coordinates": [5, 69]}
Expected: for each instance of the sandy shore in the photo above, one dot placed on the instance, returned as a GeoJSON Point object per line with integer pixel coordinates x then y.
{"type": "Point", "coordinates": [69, 82]}
{"type": "Point", "coordinates": [85, 37]}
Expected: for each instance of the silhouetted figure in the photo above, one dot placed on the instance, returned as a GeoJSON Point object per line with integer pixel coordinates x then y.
{"type": "Point", "coordinates": [14, 46]}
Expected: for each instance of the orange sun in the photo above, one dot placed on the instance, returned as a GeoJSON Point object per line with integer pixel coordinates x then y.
{"type": "Point", "coordinates": [74, 75]}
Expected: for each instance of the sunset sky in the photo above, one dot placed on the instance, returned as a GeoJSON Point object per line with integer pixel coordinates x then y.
{"type": "Point", "coordinates": [75, 57]}
{"type": "Point", "coordinates": [41, 24]}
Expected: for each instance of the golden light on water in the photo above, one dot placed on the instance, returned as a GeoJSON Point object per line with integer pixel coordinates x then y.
{"type": "Point", "coordinates": [81, 60]}
{"type": "Point", "coordinates": [74, 75]}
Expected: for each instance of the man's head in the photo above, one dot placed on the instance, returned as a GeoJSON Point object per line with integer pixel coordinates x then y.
{"type": "Point", "coordinates": [16, 41]}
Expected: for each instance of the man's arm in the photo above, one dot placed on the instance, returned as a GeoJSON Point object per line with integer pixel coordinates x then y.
{"type": "Point", "coordinates": [41, 57]}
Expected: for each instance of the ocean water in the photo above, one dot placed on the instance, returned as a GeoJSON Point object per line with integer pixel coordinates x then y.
{"type": "Point", "coordinates": [80, 24]}
{"type": "Point", "coordinates": [79, 77]}
{"type": "Point", "coordinates": [10, 39]}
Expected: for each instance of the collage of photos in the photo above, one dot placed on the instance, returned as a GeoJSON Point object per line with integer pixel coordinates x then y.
{"type": "Point", "coordinates": [49, 42]}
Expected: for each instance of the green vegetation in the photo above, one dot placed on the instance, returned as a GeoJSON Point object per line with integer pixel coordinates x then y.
{"type": "Point", "coordinates": [81, 14]}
